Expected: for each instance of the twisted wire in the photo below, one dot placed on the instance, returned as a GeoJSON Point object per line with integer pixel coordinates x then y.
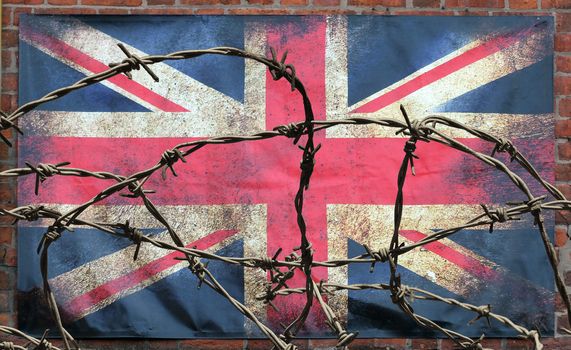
{"type": "Point", "coordinates": [280, 271]}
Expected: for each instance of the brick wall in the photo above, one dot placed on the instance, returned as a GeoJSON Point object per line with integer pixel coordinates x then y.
{"type": "Point", "coordinates": [560, 9]}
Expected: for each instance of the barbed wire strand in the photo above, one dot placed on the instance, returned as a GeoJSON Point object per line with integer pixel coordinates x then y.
{"type": "Point", "coordinates": [424, 130]}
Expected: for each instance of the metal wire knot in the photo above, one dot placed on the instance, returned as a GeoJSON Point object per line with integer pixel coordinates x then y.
{"type": "Point", "coordinates": [497, 215]}
{"type": "Point", "coordinates": [535, 208]}
{"type": "Point", "coordinates": [133, 62]}
{"type": "Point", "coordinates": [44, 345]}
{"type": "Point", "coordinates": [52, 234]}
{"type": "Point", "coordinates": [7, 345]}
{"type": "Point", "coordinates": [280, 68]}
{"type": "Point", "coordinates": [170, 157]}
{"type": "Point", "coordinates": [398, 293]}
{"type": "Point", "coordinates": [43, 171]}
{"type": "Point", "coordinates": [382, 255]}
{"type": "Point", "coordinates": [505, 146]}
{"type": "Point", "coordinates": [28, 213]}
{"type": "Point", "coordinates": [6, 123]}
{"type": "Point", "coordinates": [483, 311]}
{"type": "Point", "coordinates": [198, 269]}
{"type": "Point", "coordinates": [291, 130]}
{"type": "Point", "coordinates": [345, 338]}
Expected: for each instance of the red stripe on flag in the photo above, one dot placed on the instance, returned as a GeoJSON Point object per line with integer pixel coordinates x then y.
{"type": "Point", "coordinates": [348, 171]}
{"type": "Point", "coordinates": [70, 53]}
{"type": "Point", "coordinates": [77, 306]}
{"type": "Point", "coordinates": [465, 262]}
{"type": "Point", "coordinates": [484, 50]}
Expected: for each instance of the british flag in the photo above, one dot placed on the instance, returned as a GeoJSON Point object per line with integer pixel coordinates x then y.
{"type": "Point", "coordinates": [491, 73]}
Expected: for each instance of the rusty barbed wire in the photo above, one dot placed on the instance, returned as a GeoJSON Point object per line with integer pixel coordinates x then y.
{"type": "Point", "coordinates": [301, 259]}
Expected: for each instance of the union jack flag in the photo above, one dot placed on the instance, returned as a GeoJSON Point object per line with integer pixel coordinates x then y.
{"type": "Point", "coordinates": [491, 73]}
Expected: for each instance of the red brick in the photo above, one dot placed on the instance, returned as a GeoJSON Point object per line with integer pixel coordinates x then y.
{"type": "Point", "coordinates": [258, 11]}
{"type": "Point", "coordinates": [160, 2]}
{"type": "Point", "coordinates": [23, 2]}
{"type": "Point", "coordinates": [561, 236]}
{"type": "Point", "coordinates": [426, 3]}
{"type": "Point", "coordinates": [112, 344]}
{"type": "Point", "coordinates": [6, 190]}
{"type": "Point", "coordinates": [6, 59]}
{"type": "Point", "coordinates": [7, 319]}
{"type": "Point", "coordinates": [7, 280]}
{"type": "Point", "coordinates": [5, 301]}
{"type": "Point", "coordinates": [162, 344]}
{"type": "Point", "coordinates": [562, 85]}
{"type": "Point", "coordinates": [562, 42]}
{"type": "Point", "coordinates": [10, 82]}
{"type": "Point", "coordinates": [6, 16]}
{"type": "Point", "coordinates": [18, 11]}
{"type": "Point", "coordinates": [563, 217]}
{"type": "Point", "coordinates": [484, 3]}
{"type": "Point", "coordinates": [162, 11]}
{"type": "Point", "coordinates": [563, 128]}
{"type": "Point", "coordinates": [473, 13]}
{"type": "Point", "coordinates": [564, 150]}
{"type": "Point", "coordinates": [6, 235]}
{"type": "Point", "coordinates": [382, 3]}
{"type": "Point", "coordinates": [113, 11]}
{"type": "Point", "coordinates": [561, 343]}
{"type": "Point", "coordinates": [523, 4]}
{"type": "Point", "coordinates": [516, 13]}
{"type": "Point", "coordinates": [326, 3]}
{"type": "Point", "coordinates": [8, 103]}
{"type": "Point", "coordinates": [563, 22]}
{"type": "Point", "coordinates": [399, 12]}
{"type": "Point", "coordinates": [293, 2]}
{"type": "Point", "coordinates": [563, 64]}
{"type": "Point", "coordinates": [9, 38]}
{"type": "Point", "coordinates": [112, 2]}
{"type": "Point", "coordinates": [454, 3]}
{"type": "Point", "coordinates": [306, 11]}
{"type": "Point", "coordinates": [209, 11]}
{"type": "Point", "coordinates": [561, 4]}
{"type": "Point", "coordinates": [212, 344]}
{"type": "Point", "coordinates": [424, 344]}
{"type": "Point", "coordinates": [519, 344]}
{"type": "Point", "coordinates": [4, 151]}
{"type": "Point", "coordinates": [565, 189]}
{"type": "Point", "coordinates": [487, 343]}
{"type": "Point", "coordinates": [563, 172]}
{"type": "Point", "coordinates": [392, 344]}
{"type": "Point", "coordinates": [8, 256]}
{"type": "Point", "coordinates": [565, 107]}
{"type": "Point", "coordinates": [62, 2]}
{"type": "Point", "coordinates": [210, 2]}
{"type": "Point", "coordinates": [65, 11]}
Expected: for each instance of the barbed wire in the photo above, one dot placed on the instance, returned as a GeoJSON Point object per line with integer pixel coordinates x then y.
{"type": "Point", "coordinates": [301, 259]}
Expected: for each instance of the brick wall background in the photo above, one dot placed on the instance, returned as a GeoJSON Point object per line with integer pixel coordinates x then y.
{"type": "Point", "coordinates": [560, 9]}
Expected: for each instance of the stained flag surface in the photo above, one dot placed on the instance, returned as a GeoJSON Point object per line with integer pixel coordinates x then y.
{"type": "Point", "coordinates": [237, 200]}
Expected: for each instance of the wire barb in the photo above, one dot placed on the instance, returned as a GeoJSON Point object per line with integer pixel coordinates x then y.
{"type": "Point", "coordinates": [280, 69]}
{"type": "Point", "coordinates": [281, 272]}
{"type": "Point", "coordinates": [133, 62]}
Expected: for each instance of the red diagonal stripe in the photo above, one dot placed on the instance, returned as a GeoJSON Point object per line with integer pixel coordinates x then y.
{"type": "Point", "coordinates": [80, 304]}
{"type": "Point", "coordinates": [70, 53]}
{"type": "Point", "coordinates": [467, 263]}
{"type": "Point", "coordinates": [473, 55]}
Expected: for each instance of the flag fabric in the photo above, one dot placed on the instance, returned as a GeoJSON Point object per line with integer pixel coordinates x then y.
{"type": "Point", "coordinates": [493, 73]}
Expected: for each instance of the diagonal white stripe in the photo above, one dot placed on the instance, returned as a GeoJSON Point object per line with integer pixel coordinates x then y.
{"type": "Point", "coordinates": [421, 102]}
{"type": "Point", "coordinates": [207, 105]}
{"type": "Point", "coordinates": [191, 222]}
